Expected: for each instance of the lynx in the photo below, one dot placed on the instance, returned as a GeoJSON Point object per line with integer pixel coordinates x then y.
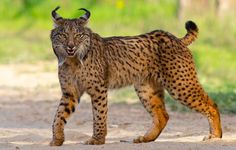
{"type": "Point", "coordinates": [151, 62]}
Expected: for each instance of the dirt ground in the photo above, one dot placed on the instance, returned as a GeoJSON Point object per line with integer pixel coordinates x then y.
{"type": "Point", "coordinates": [29, 97]}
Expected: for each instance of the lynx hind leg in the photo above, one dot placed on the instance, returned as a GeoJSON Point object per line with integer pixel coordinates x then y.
{"type": "Point", "coordinates": [152, 97]}
{"type": "Point", "coordinates": [185, 87]}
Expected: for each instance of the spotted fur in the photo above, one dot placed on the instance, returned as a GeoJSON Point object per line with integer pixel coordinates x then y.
{"type": "Point", "coordinates": [151, 62]}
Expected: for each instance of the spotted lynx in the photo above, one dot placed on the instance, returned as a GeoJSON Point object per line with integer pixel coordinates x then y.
{"type": "Point", "coordinates": [151, 62]}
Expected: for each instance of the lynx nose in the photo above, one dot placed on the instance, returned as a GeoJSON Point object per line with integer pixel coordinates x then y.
{"type": "Point", "coordinates": [71, 47]}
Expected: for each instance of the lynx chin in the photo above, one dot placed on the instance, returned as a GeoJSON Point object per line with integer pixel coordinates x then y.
{"type": "Point", "coordinates": [151, 62]}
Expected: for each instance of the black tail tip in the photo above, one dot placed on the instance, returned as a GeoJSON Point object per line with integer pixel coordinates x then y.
{"type": "Point", "coordinates": [190, 25]}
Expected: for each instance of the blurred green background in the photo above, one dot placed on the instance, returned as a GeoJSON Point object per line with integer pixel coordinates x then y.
{"type": "Point", "coordinates": [25, 27]}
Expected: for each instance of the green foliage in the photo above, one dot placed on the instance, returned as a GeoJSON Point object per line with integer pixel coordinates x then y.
{"type": "Point", "coordinates": [26, 24]}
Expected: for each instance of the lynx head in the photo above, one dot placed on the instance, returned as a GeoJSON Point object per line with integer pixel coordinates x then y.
{"type": "Point", "coordinates": [70, 37]}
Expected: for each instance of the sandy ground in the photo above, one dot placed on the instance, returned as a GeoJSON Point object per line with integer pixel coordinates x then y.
{"type": "Point", "coordinates": [29, 98]}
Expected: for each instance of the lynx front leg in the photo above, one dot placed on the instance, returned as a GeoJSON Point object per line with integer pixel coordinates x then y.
{"type": "Point", "coordinates": [66, 107]}
{"type": "Point", "coordinates": [99, 107]}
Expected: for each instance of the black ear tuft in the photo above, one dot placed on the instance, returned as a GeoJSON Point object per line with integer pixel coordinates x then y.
{"type": "Point", "coordinates": [54, 13]}
{"type": "Point", "coordinates": [86, 15]}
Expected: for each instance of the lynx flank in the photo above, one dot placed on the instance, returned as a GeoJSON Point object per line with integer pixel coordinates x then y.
{"type": "Point", "coordinates": [151, 62]}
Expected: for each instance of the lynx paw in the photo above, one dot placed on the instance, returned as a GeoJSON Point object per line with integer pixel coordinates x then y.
{"type": "Point", "coordinates": [211, 137]}
{"type": "Point", "coordinates": [93, 141]}
{"type": "Point", "coordinates": [56, 142]}
{"type": "Point", "coordinates": [140, 139]}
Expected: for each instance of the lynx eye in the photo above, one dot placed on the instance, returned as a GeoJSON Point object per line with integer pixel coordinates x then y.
{"type": "Point", "coordinates": [79, 36]}
{"type": "Point", "coordinates": [62, 36]}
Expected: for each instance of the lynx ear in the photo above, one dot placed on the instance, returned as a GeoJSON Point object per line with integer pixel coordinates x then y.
{"type": "Point", "coordinates": [83, 20]}
{"type": "Point", "coordinates": [57, 19]}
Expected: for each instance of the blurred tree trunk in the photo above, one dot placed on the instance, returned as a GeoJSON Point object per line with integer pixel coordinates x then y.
{"type": "Point", "coordinates": [194, 7]}
{"type": "Point", "coordinates": [220, 8]}
{"type": "Point", "coordinates": [226, 8]}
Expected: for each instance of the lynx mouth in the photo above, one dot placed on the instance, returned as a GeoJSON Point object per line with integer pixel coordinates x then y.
{"type": "Point", "coordinates": [70, 52]}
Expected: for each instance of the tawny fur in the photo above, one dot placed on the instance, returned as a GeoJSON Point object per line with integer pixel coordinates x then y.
{"type": "Point", "coordinates": [150, 62]}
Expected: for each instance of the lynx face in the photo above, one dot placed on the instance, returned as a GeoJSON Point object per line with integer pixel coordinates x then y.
{"type": "Point", "coordinates": [70, 37]}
